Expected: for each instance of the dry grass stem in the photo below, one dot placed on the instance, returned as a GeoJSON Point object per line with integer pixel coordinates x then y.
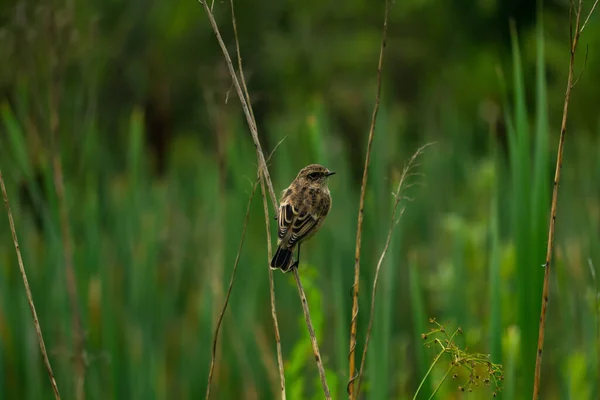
{"type": "Point", "coordinates": [588, 17]}
{"type": "Point", "coordinates": [228, 295]}
{"type": "Point", "coordinates": [272, 292]}
{"type": "Point", "coordinates": [563, 128]}
{"type": "Point", "coordinates": [240, 64]}
{"type": "Point", "coordinates": [36, 322]}
{"type": "Point", "coordinates": [264, 171]}
{"type": "Point", "coordinates": [245, 105]}
{"type": "Point", "coordinates": [229, 289]}
{"type": "Point", "coordinates": [398, 196]}
{"type": "Point", "coordinates": [361, 207]}
{"type": "Point", "coordinates": [311, 331]}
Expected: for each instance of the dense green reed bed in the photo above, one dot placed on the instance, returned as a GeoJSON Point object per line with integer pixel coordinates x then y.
{"type": "Point", "coordinates": [153, 256]}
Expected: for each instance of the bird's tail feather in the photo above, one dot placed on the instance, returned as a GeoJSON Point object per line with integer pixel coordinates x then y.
{"type": "Point", "coordinates": [282, 259]}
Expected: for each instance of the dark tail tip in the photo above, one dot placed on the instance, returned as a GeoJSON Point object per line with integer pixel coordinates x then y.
{"type": "Point", "coordinates": [282, 259]}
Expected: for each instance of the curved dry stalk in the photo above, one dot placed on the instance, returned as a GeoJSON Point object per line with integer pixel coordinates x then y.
{"type": "Point", "coordinates": [311, 332]}
{"type": "Point", "coordinates": [397, 196]}
{"type": "Point", "coordinates": [563, 128]}
{"type": "Point", "coordinates": [36, 322]}
{"type": "Point", "coordinates": [228, 295]}
{"type": "Point", "coordinates": [266, 210]}
{"type": "Point", "coordinates": [272, 292]}
{"type": "Point", "coordinates": [588, 17]}
{"type": "Point", "coordinates": [232, 279]}
{"type": "Point", "coordinates": [361, 207]}
{"type": "Point", "coordinates": [262, 164]}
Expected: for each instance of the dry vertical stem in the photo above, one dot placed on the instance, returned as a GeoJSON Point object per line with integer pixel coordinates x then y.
{"type": "Point", "coordinates": [563, 128]}
{"type": "Point", "coordinates": [245, 105]}
{"type": "Point", "coordinates": [271, 283]}
{"type": "Point", "coordinates": [397, 198]}
{"type": "Point", "coordinates": [266, 210]}
{"type": "Point", "coordinates": [351, 355]}
{"type": "Point", "coordinates": [229, 289]}
{"type": "Point", "coordinates": [272, 291]}
{"type": "Point", "coordinates": [36, 322]}
{"type": "Point", "coordinates": [311, 331]}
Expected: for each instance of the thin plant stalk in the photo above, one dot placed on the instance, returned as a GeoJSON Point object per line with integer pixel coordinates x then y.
{"type": "Point", "coordinates": [435, 360]}
{"type": "Point", "coordinates": [266, 210]}
{"type": "Point", "coordinates": [441, 382]}
{"type": "Point", "coordinates": [262, 164]}
{"type": "Point", "coordinates": [228, 295]}
{"type": "Point", "coordinates": [36, 322]}
{"type": "Point", "coordinates": [398, 197]}
{"type": "Point", "coordinates": [311, 331]}
{"type": "Point", "coordinates": [353, 324]}
{"type": "Point", "coordinates": [559, 159]}
{"type": "Point", "coordinates": [231, 281]}
{"type": "Point", "coordinates": [272, 292]}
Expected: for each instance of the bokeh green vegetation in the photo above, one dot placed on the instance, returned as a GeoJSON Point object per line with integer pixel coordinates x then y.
{"type": "Point", "coordinates": [159, 165]}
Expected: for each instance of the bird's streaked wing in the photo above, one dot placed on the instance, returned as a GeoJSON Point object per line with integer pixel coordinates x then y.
{"type": "Point", "coordinates": [301, 225]}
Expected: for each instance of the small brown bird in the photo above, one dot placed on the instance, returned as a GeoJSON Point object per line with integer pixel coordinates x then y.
{"type": "Point", "coordinates": [304, 206]}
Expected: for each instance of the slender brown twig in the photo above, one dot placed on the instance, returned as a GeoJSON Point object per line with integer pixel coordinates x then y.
{"type": "Point", "coordinates": [228, 295]}
{"type": "Point", "coordinates": [264, 171]}
{"type": "Point", "coordinates": [361, 207]}
{"type": "Point", "coordinates": [251, 122]}
{"type": "Point", "coordinates": [311, 331]}
{"type": "Point", "coordinates": [266, 209]}
{"type": "Point", "coordinates": [272, 292]}
{"type": "Point", "coordinates": [245, 105]}
{"type": "Point", "coordinates": [36, 322]}
{"type": "Point", "coordinates": [393, 221]}
{"type": "Point", "coordinates": [231, 280]}
{"type": "Point", "coordinates": [588, 17]}
{"type": "Point", "coordinates": [563, 129]}
{"type": "Point", "coordinates": [240, 64]}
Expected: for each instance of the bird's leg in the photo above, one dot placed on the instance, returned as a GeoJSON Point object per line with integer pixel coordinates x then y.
{"type": "Point", "coordinates": [297, 262]}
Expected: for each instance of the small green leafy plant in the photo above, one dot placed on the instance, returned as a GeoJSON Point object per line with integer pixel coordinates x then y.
{"type": "Point", "coordinates": [478, 366]}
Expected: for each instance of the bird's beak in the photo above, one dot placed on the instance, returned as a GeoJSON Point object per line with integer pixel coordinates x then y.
{"type": "Point", "coordinates": [329, 173]}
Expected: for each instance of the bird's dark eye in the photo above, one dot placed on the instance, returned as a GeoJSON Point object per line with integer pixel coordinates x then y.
{"type": "Point", "coordinates": [313, 175]}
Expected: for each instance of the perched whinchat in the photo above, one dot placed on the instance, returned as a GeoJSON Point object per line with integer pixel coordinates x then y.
{"type": "Point", "coordinates": [304, 206]}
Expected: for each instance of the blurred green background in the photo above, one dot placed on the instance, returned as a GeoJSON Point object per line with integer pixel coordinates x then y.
{"type": "Point", "coordinates": [158, 167]}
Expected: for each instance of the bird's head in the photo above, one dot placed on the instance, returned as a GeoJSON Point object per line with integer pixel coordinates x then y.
{"type": "Point", "coordinates": [314, 175]}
